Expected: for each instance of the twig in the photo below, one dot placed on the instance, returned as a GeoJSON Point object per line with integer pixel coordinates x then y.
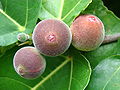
{"type": "Point", "coordinates": [111, 38]}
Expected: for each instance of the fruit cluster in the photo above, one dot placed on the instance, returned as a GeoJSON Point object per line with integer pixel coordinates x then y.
{"type": "Point", "coordinates": [53, 37]}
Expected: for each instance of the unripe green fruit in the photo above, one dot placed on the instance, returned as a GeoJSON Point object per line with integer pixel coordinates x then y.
{"type": "Point", "coordinates": [87, 32]}
{"type": "Point", "coordinates": [28, 63]}
{"type": "Point", "coordinates": [52, 37]}
{"type": "Point", "coordinates": [22, 37]}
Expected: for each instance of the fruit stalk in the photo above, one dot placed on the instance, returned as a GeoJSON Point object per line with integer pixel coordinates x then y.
{"type": "Point", "coordinates": [111, 38]}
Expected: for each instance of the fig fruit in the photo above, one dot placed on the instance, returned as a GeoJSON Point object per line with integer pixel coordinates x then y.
{"type": "Point", "coordinates": [87, 32]}
{"type": "Point", "coordinates": [52, 37]}
{"type": "Point", "coordinates": [28, 63]}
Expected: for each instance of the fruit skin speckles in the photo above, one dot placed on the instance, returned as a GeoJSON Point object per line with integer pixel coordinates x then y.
{"type": "Point", "coordinates": [52, 37]}
{"type": "Point", "coordinates": [28, 63]}
{"type": "Point", "coordinates": [87, 32]}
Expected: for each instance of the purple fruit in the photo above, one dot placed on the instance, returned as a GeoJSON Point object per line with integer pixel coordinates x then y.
{"type": "Point", "coordinates": [87, 32]}
{"type": "Point", "coordinates": [28, 63]}
{"type": "Point", "coordinates": [52, 37]}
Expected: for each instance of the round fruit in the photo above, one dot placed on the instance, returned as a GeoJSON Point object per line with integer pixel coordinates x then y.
{"type": "Point", "coordinates": [22, 37]}
{"type": "Point", "coordinates": [87, 32]}
{"type": "Point", "coordinates": [28, 63]}
{"type": "Point", "coordinates": [52, 37]}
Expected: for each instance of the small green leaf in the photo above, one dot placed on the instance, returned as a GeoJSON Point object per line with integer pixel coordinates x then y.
{"type": "Point", "coordinates": [20, 16]}
{"type": "Point", "coordinates": [65, 10]}
{"type": "Point", "coordinates": [106, 75]}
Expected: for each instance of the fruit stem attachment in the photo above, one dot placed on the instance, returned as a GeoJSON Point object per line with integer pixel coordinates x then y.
{"type": "Point", "coordinates": [24, 43]}
{"type": "Point", "coordinates": [111, 38]}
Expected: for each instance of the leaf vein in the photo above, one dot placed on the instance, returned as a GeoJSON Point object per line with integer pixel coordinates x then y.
{"type": "Point", "coordinates": [111, 77]}
{"type": "Point", "coordinates": [48, 11]}
{"type": "Point", "coordinates": [26, 14]}
{"type": "Point", "coordinates": [61, 9]}
{"type": "Point", "coordinates": [76, 80]}
{"type": "Point", "coordinates": [6, 5]}
{"type": "Point", "coordinates": [21, 28]}
{"type": "Point", "coordinates": [70, 75]}
{"type": "Point", "coordinates": [71, 10]}
{"type": "Point", "coordinates": [17, 81]}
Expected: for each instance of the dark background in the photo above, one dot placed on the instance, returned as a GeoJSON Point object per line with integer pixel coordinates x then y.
{"type": "Point", "coordinates": [113, 5]}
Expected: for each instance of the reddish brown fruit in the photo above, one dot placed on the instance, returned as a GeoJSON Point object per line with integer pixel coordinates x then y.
{"type": "Point", "coordinates": [87, 32]}
{"type": "Point", "coordinates": [28, 63]}
{"type": "Point", "coordinates": [52, 37]}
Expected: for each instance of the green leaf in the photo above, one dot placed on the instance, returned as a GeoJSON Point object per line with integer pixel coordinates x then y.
{"type": "Point", "coordinates": [1, 5]}
{"type": "Point", "coordinates": [74, 74]}
{"type": "Point", "coordinates": [106, 75]}
{"type": "Point", "coordinates": [12, 84]}
{"type": "Point", "coordinates": [62, 73]}
{"type": "Point", "coordinates": [102, 52]}
{"type": "Point", "coordinates": [5, 48]}
{"type": "Point", "coordinates": [111, 22]}
{"type": "Point", "coordinates": [17, 17]}
{"type": "Point", "coordinates": [65, 10]}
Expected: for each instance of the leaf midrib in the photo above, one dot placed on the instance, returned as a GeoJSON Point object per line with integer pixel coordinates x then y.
{"type": "Point", "coordinates": [61, 9]}
{"type": "Point", "coordinates": [26, 19]}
